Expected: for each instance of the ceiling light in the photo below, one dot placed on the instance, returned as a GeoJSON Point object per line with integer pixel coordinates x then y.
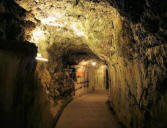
{"type": "Point", "coordinates": [51, 21]}
{"type": "Point", "coordinates": [42, 59]}
{"type": "Point", "coordinates": [94, 63]}
{"type": "Point", "coordinates": [39, 57]}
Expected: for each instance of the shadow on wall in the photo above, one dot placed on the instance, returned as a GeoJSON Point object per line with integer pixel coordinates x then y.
{"type": "Point", "coordinates": [23, 100]}
{"type": "Point", "coordinates": [157, 118]}
{"type": "Point", "coordinates": [12, 24]}
{"type": "Point", "coordinates": [17, 67]}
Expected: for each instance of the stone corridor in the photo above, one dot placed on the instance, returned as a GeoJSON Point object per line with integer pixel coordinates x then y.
{"type": "Point", "coordinates": [53, 51]}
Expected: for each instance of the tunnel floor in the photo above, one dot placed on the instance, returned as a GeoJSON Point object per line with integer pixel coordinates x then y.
{"type": "Point", "coordinates": [88, 111]}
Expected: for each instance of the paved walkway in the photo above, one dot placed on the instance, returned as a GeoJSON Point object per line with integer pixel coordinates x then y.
{"type": "Point", "coordinates": [88, 111]}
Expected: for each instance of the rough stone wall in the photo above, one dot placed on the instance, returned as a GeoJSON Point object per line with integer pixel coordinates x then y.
{"type": "Point", "coordinates": [51, 93]}
{"type": "Point", "coordinates": [17, 67]}
{"type": "Point", "coordinates": [14, 25]}
{"type": "Point", "coordinates": [138, 68]}
{"type": "Point", "coordinates": [81, 84]}
{"type": "Point", "coordinates": [136, 90]}
{"type": "Point", "coordinates": [27, 100]}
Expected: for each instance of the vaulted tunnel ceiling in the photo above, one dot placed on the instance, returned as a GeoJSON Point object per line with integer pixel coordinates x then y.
{"type": "Point", "coordinates": [70, 24]}
{"type": "Point", "coordinates": [108, 29]}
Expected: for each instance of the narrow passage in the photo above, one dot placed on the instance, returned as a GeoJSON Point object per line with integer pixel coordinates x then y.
{"type": "Point", "coordinates": [88, 111]}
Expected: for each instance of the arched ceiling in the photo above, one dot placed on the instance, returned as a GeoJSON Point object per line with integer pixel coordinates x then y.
{"type": "Point", "coordinates": [72, 23]}
{"type": "Point", "coordinates": [110, 29]}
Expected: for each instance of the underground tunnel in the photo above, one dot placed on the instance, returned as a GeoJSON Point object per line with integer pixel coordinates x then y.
{"type": "Point", "coordinates": [83, 63]}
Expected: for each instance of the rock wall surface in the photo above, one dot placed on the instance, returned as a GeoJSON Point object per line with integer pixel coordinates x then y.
{"type": "Point", "coordinates": [138, 69]}
{"type": "Point", "coordinates": [14, 25]}
{"type": "Point", "coordinates": [28, 96]}
{"type": "Point", "coordinates": [16, 82]}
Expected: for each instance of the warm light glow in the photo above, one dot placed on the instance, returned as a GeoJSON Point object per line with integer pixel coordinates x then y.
{"type": "Point", "coordinates": [37, 35]}
{"type": "Point", "coordinates": [51, 21]}
{"type": "Point", "coordinates": [94, 63]}
{"type": "Point", "coordinates": [83, 63]}
{"type": "Point", "coordinates": [76, 28]}
{"type": "Point", "coordinates": [55, 21]}
{"type": "Point", "coordinates": [42, 59]}
{"type": "Point", "coordinates": [48, 20]}
{"type": "Point", "coordinates": [39, 57]}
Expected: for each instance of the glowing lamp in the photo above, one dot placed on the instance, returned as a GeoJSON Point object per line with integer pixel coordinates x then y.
{"type": "Point", "coordinates": [42, 59]}
{"type": "Point", "coordinates": [39, 57]}
{"type": "Point", "coordinates": [93, 63]}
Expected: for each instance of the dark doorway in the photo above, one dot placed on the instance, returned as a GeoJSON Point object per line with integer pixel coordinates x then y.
{"type": "Point", "coordinates": [107, 79]}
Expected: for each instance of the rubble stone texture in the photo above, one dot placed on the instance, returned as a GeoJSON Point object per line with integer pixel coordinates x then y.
{"type": "Point", "coordinates": [129, 36]}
